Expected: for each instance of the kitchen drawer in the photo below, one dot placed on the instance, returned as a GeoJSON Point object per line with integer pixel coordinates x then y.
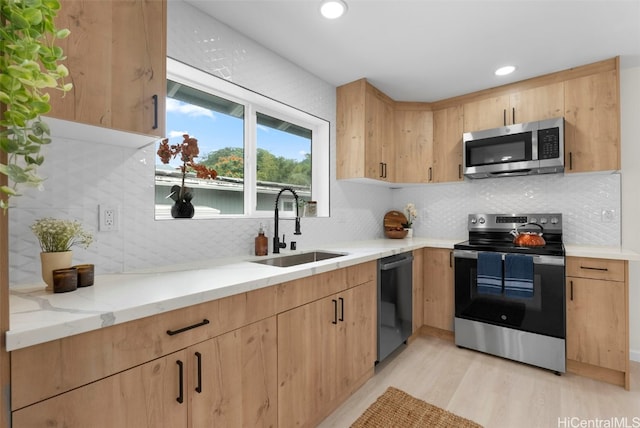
{"type": "Point", "coordinates": [41, 371]}
{"type": "Point", "coordinates": [362, 273]}
{"type": "Point", "coordinates": [606, 269]}
{"type": "Point", "coordinates": [302, 291]}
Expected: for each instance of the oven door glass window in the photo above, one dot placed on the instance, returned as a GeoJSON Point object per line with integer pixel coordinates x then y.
{"type": "Point", "coordinates": [542, 313]}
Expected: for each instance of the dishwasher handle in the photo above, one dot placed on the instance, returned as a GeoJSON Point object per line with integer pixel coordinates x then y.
{"type": "Point", "coordinates": [395, 263]}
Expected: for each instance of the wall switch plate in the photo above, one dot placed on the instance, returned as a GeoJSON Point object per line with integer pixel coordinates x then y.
{"type": "Point", "coordinates": [108, 221]}
{"type": "Point", "coordinates": [608, 216]}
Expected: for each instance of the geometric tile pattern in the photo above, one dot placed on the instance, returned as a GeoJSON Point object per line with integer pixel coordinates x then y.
{"type": "Point", "coordinates": [83, 175]}
{"type": "Point", "coordinates": [443, 208]}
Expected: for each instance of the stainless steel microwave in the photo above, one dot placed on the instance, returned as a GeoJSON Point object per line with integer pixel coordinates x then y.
{"type": "Point", "coordinates": [521, 149]}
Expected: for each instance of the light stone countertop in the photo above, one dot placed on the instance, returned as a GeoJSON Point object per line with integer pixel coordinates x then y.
{"type": "Point", "coordinates": [38, 316]}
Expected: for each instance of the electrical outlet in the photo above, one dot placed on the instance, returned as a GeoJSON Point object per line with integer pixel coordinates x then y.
{"type": "Point", "coordinates": [608, 216]}
{"type": "Point", "coordinates": [108, 218]}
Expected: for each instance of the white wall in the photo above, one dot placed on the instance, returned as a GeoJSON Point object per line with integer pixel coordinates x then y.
{"type": "Point", "coordinates": [630, 124]}
{"type": "Point", "coordinates": [80, 176]}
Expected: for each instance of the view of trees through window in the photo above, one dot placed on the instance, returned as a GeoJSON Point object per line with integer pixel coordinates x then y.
{"type": "Point", "coordinates": [282, 152]}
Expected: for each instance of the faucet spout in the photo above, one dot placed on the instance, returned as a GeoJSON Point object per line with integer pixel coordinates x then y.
{"type": "Point", "coordinates": [276, 219]}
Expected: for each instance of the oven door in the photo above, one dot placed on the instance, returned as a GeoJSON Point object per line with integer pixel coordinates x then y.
{"type": "Point", "coordinates": [543, 312]}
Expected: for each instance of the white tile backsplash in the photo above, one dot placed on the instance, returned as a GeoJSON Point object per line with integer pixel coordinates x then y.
{"type": "Point", "coordinates": [443, 208]}
{"type": "Point", "coordinates": [83, 175]}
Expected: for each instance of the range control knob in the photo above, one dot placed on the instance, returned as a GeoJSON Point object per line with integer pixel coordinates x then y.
{"type": "Point", "coordinates": [543, 220]}
{"type": "Point", "coordinates": [481, 220]}
{"type": "Point", "coordinates": [533, 220]}
{"type": "Point", "coordinates": [474, 220]}
{"type": "Point", "coordinates": [554, 220]}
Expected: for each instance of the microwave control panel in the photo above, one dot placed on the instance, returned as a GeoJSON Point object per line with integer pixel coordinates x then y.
{"type": "Point", "coordinates": [549, 143]}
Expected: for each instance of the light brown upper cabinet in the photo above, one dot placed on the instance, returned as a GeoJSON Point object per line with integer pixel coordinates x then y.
{"type": "Point", "coordinates": [364, 147]}
{"type": "Point", "coordinates": [413, 137]}
{"type": "Point", "coordinates": [116, 55]}
{"type": "Point", "coordinates": [539, 103]}
{"type": "Point", "coordinates": [592, 123]}
{"type": "Point", "coordinates": [447, 144]}
{"type": "Point", "coordinates": [412, 142]}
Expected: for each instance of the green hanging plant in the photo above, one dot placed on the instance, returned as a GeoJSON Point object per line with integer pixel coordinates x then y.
{"type": "Point", "coordinates": [31, 64]}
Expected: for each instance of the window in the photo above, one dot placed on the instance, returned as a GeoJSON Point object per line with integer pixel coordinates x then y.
{"type": "Point", "coordinates": [256, 144]}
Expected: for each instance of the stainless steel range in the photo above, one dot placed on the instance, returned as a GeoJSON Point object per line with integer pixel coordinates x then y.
{"type": "Point", "coordinates": [510, 299]}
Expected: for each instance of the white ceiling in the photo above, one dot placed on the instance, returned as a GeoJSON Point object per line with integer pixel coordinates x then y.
{"type": "Point", "coordinates": [427, 50]}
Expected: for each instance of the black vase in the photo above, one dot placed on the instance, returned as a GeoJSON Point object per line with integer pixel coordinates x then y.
{"type": "Point", "coordinates": [182, 209]}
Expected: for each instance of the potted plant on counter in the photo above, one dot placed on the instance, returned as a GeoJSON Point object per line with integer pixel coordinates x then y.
{"type": "Point", "coordinates": [56, 237]}
{"type": "Point", "coordinates": [411, 214]}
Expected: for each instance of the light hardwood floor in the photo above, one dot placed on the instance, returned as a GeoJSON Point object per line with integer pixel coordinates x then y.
{"type": "Point", "coordinates": [495, 392]}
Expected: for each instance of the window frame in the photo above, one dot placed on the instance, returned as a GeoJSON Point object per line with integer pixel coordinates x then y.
{"type": "Point", "coordinates": [254, 102]}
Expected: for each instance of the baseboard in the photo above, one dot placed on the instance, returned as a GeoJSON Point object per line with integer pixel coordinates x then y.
{"type": "Point", "coordinates": [634, 355]}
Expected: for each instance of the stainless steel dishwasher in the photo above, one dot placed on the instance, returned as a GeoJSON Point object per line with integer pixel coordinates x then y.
{"type": "Point", "coordinates": [395, 314]}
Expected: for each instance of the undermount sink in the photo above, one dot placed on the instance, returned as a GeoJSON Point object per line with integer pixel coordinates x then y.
{"type": "Point", "coordinates": [299, 259]}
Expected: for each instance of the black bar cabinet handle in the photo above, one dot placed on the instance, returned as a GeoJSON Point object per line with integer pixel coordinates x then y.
{"type": "Point", "coordinates": [180, 398]}
{"type": "Point", "coordinates": [513, 115]}
{"type": "Point", "coordinates": [381, 170]}
{"type": "Point", "coordinates": [459, 170]}
{"type": "Point", "coordinates": [594, 268]}
{"type": "Point", "coordinates": [450, 259]}
{"type": "Point", "coordinates": [570, 160]}
{"type": "Point", "coordinates": [384, 168]}
{"type": "Point", "coordinates": [571, 283]}
{"type": "Point", "coordinates": [182, 330]}
{"type": "Point", "coordinates": [341, 309]}
{"type": "Point", "coordinates": [430, 173]}
{"type": "Point", "coordinates": [199, 360]}
{"type": "Point", "coordinates": [335, 311]}
{"type": "Point", "coordinates": [155, 111]}
{"type": "Point", "coordinates": [504, 117]}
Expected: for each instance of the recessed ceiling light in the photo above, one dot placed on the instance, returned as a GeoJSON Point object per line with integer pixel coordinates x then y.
{"type": "Point", "coordinates": [503, 71]}
{"type": "Point", "coordinates": [332, 9]}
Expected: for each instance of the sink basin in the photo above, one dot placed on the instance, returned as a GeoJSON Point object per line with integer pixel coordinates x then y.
{"type": "Point", "coordinates": [299, 259]}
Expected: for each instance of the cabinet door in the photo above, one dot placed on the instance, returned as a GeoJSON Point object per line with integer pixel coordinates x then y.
{"type": "Point", "coordinates": [418, 289]}
{"type": "Point", "coordinates": [138, 65]}
{"type": "Point", "coordinates": [413, 135]}
{"type": "Point", "coordinates": [486, 114]}
{"type": "Point", "coordinates": [447, 142]}
{"type": "Point", "coordinates": [233, 378]}
{"type": "Point", "coordinates": [596, 322]}
{"type": "Point", "coordinates": [543, 102]}
{"type": "Point", "coordinates": [307, 349]}
{"type": "Point", "coordinates": [379, 150]}
{"type": "Point", "coordinates": [592, 123]}
{"type": "Point", "coordinates": [116, 56]}
{"type": "Point", "coordinates": [145, 396]}
{"type": "Point", "coordinates": [357, 343]}
{"type": "Point", "coordinates": [438, 288]}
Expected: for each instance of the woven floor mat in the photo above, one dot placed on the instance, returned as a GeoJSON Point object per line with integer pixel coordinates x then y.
{"type": "Point", "coordinates": [396, 408]}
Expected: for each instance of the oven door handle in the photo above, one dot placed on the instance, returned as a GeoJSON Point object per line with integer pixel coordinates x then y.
{"type": "Point", "coordinates": [395, 264]}
{"type": "Point", "coordinates": [537, 259]}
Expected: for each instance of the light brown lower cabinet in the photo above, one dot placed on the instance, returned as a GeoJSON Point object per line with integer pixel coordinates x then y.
{"type": "Point", "coordinates": [439, 302]}
{"type": "Point", "coordinates": [229, 380]}
{"type": "Point", "coordinates": [208, 365]}
{"type": "Point", "coordinates": [598, 319]}
{"type": "Point", "coordinates": [325, 348]}
{"type": "Point", "coordinates": [144, 396]}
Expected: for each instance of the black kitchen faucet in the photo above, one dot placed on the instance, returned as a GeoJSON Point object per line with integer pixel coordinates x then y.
{"type": "Point", "coordinates": [276, 239]}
